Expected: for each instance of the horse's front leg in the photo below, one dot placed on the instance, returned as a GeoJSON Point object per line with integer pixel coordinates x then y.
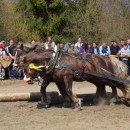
{"type": "Point", "coordinates": [45, 99]}
{"type": "Point", "coordinates": [62, 89]}
{"type": "Point", "coordinates": [68, 79]}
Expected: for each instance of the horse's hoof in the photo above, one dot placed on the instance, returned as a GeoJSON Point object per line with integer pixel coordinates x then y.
{"type": "Point", "coordinates": [77, 106]}
{"type": "Point", "coordinates": [113, 101]}
{"type": "Point", "coordinates": [77, 109]}
{"type": "Point", "coordinates": [40, 106]}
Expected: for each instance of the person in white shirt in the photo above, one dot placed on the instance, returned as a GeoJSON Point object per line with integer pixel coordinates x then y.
{"type": "Point", "coordinates": [50, 44]}
{"type": "Point", "coordinates": [125, 51]}
{"type": "Point", "coordinates": [78, 45]}
{"type": "Point", "coordinates": [104, 50]}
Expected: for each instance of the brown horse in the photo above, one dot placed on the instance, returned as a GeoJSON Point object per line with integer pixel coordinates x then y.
{"type": "Point", "coordinates": [67, 68]}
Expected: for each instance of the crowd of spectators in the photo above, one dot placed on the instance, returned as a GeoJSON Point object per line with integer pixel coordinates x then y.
{"type": "Point", "coordinates": [103, 49]}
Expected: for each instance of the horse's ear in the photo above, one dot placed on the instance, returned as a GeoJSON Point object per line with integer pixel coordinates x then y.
{"type": "Point", "coordinates": [21, 46]}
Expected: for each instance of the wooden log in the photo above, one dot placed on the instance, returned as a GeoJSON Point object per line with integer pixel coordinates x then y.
{"type": "Point", "coordinates": [36, 96]}
{"type": "Point", "coordinates": [33, 96]}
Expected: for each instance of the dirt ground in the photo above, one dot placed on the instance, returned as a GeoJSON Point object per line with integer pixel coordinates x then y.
{"type": "Point", "coordinates": [25, 115]}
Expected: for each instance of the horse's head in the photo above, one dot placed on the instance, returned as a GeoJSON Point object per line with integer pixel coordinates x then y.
{"type": "Point", "coordinates": [36, 54]}
{"type": "Point", "coordinates": [21, 50]}
{"type": "Point", "coordinates": [35, 62]}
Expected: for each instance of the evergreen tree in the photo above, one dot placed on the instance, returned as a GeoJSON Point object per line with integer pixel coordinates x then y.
{"type": "Point", "coordinates": [47, 17]}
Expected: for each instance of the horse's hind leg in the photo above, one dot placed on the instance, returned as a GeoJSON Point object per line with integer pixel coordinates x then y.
{"type": "Point", "coordinates": [114, 99]}
{"type": "Point", "coordinates": [114, 92]}
{"type": "Point", "coordinates": [68, 85]}
{"type": "Point", "coordinates": [100, 94]}
{"type": "Point", "coordinates": [62, 89]}
{"type": "Point", "coordinates": [101, 91]}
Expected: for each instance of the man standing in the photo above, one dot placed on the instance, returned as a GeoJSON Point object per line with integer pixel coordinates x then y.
{"type": "Point", "coordinates": [114, 48]}
{"type": "Point", "coordinates": [9, 50]}
{"type": "Point", "coordinates": [78, 45]}
{"type": "Point", "coordinates": [104, 50]}
{"type": "Point", "coordinates": [50, 44]}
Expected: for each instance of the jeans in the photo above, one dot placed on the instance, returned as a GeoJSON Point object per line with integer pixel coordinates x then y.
{"type": "Point", "coordinates": [20, 74]}
{"type": "Point", "coordinates": [11, 72]}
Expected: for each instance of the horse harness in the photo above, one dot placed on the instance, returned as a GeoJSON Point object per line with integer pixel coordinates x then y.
{"type": "Point", "coordinates": [54, 63]}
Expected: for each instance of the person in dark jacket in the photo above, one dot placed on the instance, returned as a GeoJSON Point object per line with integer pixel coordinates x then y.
{"type": "Point", "coordinates": [10, 50]}
{"type": "Point", "coordinates": [114, 48]}
{"type": "Point", "coordinates": [94, 48]}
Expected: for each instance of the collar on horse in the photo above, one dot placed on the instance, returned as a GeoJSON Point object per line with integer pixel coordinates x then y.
{"type": "Point", "coordinates": [55, 57]}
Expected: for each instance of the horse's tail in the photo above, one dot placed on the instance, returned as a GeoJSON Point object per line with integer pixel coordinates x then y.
{"type": "Point", "coordinates": [121, 69]}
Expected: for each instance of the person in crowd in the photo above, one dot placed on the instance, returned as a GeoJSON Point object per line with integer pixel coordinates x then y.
{"type": "Point", "coordinates": [94, 49]}
{"type": "Point", "coordinates": [125, 52]}
{"type": "Point", "coordinates": [104, 49]}
{"type": "Point", "coordinates": [128, 42]}
{"type": "Point", "coordinates": [2, 53]}
{"type": "Point", "coordinates": [84, 48]}
{"type": "Point", "coordinates": [50, 44]}
{"type": "Point", "coordinates": [61, 46]}
{"type": "Point", "coordinates": [67, 46]}
{"type": "Point", "coordinates": [9, 50]}
{"type": "Point", "coordinates": [122, 42]}
{"type": "Point", "coordinates": [114, 48]}
{"type": "Point", "coordinates": [72, 49]}
{"type": "Point", "coordinates": [4, 43]}
{"type": "Point", "coordinates": [2, 50]}
{"type": "Point", "coordinates": [33, 42]}
{"type": "Point", "coordinates": [5, 69]}
{"type": "Point", "coordinates": [112, 42]}
{"type": "Point", "coordinates": [78, 45]}
{"type": "Point", "coordinates": [20, 73]}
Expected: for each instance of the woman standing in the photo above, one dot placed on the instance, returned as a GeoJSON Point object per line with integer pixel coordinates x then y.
{"type": "Point", "coordinates": [94, 48]}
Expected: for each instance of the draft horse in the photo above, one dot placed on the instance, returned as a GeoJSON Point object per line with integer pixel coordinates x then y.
{"type": "Point", "coordinates": [63, 68]}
